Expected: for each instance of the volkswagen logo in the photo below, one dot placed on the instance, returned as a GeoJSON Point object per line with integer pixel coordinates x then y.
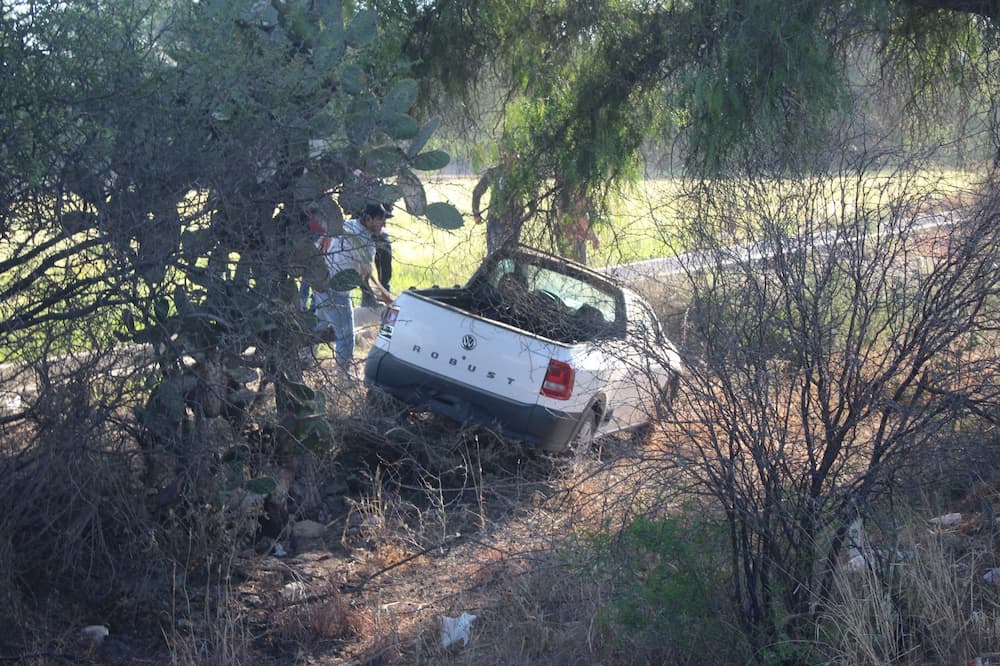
{"type": "Point", "coordinates": [468, 342]}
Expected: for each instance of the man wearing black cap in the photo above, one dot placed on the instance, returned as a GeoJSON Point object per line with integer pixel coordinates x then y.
{"type": "Point", "coordinates": [349, 257]}
{"type": "Point", "coordinates": [383, 263]}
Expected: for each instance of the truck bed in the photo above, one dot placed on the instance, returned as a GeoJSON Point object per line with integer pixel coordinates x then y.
{"type": "Point", "coordinates": [540, 316]}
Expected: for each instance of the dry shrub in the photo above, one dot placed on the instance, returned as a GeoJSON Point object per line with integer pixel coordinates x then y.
{"type": "Point", "coordinates": [222, 638]}
{"type": "Point", "coordinates": [924, 602]}
{"type": "Point", "coordinates": [84, 539]}
{"type": "Point", "coordinates": [9, 597]}
{"type": "Point", "coordinates": [332, 617]}
{"type": "Point", "coordinates": [315, 616]}
{"type": "Point", "coordinates": [75, 518]}
{"type": "Point", "coordinates": [420, 479]}
{"type": "Point", "coordinates": [385, 634]}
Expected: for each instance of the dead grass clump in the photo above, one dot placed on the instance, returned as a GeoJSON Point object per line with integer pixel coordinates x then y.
{"type": "Point", "coordinates": [927, 601]}
{"type": "Point", "coordinates": [221, 638]}
{"type": "Point", "coordinates": [536, 612]}
{"type": "Point", "coordinates": [332, 618]}
{"type": "Point", "coordinates": [75, 520]}
{"type": "Point", "coordinates": [385, 633]}
{"type": "Point", "coordinates": [310, 616]}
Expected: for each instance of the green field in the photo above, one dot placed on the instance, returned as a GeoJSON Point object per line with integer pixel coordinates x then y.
{"type": "Point", "coordinates": [425, 255]}
{"type": "Point", "coordinates": [644, 222]}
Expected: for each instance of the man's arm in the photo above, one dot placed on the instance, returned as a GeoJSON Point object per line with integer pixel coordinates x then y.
{"type": "Point", "coordinates": [380, 292]}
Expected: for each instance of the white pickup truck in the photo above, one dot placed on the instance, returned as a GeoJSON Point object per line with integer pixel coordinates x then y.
{"type": "Point", "coordinates": [537, 348]}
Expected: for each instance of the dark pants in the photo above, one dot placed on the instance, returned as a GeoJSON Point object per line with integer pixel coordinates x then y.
{"type": "Point", "coordinates": [383, 268]}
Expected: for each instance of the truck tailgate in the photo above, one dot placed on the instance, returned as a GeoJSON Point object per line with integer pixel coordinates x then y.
{"type": "Point", "coordinates": [489, 356]}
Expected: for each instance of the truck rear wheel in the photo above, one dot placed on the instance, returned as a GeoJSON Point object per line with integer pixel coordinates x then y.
{"type": "Point", "coordinates": [586, 433]}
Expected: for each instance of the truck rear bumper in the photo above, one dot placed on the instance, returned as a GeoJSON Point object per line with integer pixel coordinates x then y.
{"type": "Point", "coordinates": [534, 425]}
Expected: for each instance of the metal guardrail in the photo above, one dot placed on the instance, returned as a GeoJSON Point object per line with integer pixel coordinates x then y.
{"type": "Point", "coordinates": [750, 253]}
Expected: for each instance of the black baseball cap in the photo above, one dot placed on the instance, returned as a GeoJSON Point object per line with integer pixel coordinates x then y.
{"type": "Point", "coordinates": [377, 210]}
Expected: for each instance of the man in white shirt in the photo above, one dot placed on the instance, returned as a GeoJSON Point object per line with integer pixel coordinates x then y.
{"type": "Point", "coordinates": [349, 263]}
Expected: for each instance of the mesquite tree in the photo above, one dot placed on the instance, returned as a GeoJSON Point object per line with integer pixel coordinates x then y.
{"type": "Point", "coordinates": [837, 319]}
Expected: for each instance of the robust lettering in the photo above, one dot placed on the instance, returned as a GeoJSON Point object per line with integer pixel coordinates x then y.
{"type": "Point", "coordinates": [454, 362]}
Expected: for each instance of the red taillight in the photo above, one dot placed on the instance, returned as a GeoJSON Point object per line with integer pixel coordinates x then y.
{"type": "Point", "coordinates": [558, 382]}
{"type": "Point", "coordinates": [388, 321]}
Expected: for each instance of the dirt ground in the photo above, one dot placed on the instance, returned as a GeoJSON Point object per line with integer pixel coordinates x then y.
{"type": "Point", "coordinates": [410, 521]}
{"type": "Point", "coordinates": [483, 530]}
{"type": "Point", "coordinates": [414, 521]}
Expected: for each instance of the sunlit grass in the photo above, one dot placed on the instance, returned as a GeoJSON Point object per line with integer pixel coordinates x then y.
{"type": "Point", "coordinates": [639, 228]}
{"type": "Point", "coordinates": [424, 255]}
{"type": "Point", "coordinates": [646, 221]}
{"type": "Point", "coordinates": [643, 222]}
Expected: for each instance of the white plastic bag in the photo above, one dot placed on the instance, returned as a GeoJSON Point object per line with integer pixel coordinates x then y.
{"type": "Point", "coordinates": [454, 629]}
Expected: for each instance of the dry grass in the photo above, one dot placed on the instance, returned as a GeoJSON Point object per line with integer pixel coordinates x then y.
{"type": "Point", "coordinates": [221, 639]}
{"type": "Point", "coordinates": [923, 602]}
{"type": "Point", "coordinates": [423, 520]}
{"type": "Point", "coordinates": [439, 522]}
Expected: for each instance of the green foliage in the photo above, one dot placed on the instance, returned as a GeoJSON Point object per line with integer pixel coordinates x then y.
{"type": "Point", "coordinates": [384, 161]}
{"type": "Point", "coordinates": [237, 463]}
{"type": "Point", "coordinates": [771, 78]}
{"type": "Point", "coordinates": [444, 216]}
{"type": "Point", "coordinates": [345, 280]}
{"type": "Point", "coordinates": [399, 126]}
{"type": "Point", "coordinates": [431, 160]}
{"type": "Point", "coordinates": [305, 417]}
{"type": "Point", "coordinates": [576, 94]}
{"type": "Point", "coordinates": [422, 136]}
{"type": "Point", "coordinates": [171, 151]}
{"type": "Point", "coordinates": [669, 578]}
{"type": "Point", "coordinates": [362, 29]}
{"type": "Point", "coordinates": [401, 97]}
